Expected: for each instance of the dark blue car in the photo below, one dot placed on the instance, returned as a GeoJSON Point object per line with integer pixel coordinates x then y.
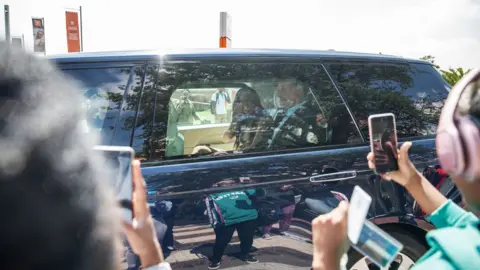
{"type": "Point", "coordinates": [290, 125]}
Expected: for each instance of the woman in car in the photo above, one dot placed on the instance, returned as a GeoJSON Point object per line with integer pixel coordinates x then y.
{"type": "Point", "coordinates": [251, 124]}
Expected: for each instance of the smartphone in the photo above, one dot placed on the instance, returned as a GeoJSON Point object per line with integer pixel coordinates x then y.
{"type": "Point", "coordinates": [367, 238]}
{"type": "Point", "coordinates": [119, 160]}
{"type": "Point", "coordinates": [383, 141]}
{"type": "Point", "coordinates": [357, 213]}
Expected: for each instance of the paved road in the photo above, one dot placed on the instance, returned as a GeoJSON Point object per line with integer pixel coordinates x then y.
{"type": "Point", "coordinates": [195, 245]}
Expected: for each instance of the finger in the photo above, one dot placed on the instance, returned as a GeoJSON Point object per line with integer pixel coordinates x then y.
{"type": "Point", "coordinates": [127, 227]}
{"type": "Point", "coordinates": [339, 214]}
{"type": "Point", "coordinates": [343, 207]}
{"type": "Point", "coordinates": [403, 153]}
{"type": "Point", "coordinates": [386, 176]}
{"type": "Point", "coordinates": [318, 221]}
{"type": "Point", "coordinates": [140, 206]}
{"type": "Point", "coordinates": [325, 217]}
{"type": "Point", "coordinates": [370, 156]}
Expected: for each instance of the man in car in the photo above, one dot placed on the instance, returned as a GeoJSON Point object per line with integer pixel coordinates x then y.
{"type": "Point", "coordinates": [299, 121]}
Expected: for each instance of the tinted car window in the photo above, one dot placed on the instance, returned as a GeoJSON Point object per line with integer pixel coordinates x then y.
{"type": "Point", "coordinates": [104, 90]}
{"type": "Point", "coordinates": [222, 109]}
{"type": "Point", "coordinates": [415, 93]}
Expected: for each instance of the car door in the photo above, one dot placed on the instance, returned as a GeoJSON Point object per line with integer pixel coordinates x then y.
{"type": "Point", "coordinates": [415, 93]}
{"type": "Point", "coordinates": [286, 156]}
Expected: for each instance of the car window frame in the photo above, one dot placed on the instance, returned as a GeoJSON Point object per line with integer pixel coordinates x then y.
{"type": "Point", "coordinates": [246, 60]}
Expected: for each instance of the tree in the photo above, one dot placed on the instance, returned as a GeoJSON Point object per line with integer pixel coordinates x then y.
{"type": "Point", "coordinates": [453, 75]}
{"type": "Point", "coordinates": [430, 59]}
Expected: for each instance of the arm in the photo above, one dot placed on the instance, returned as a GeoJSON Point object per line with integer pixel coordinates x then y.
{"type": "Point", "coordinates": [227, 97]}
{"type": "Point", "coordinates": [229, 133]}
{"type": "Point", "coordinates": [213, 103]}
{"type": "Point", "coordinates": [195, 115]}
{"type": "Point", "coordinates": [450, 214]}
{"type": "Point", "coordinates": [443, 212]}
{"type": "Point", "coordinates": [426, 195]}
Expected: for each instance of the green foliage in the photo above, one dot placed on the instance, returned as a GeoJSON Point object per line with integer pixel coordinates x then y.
{"type": "Point", "coordinates": [451, 75]}
{"type": "Point", "coordinates": [430, 59]}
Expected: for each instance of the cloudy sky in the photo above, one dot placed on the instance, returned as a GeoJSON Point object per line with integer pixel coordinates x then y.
{"type": "Point", "coordinates": [410, 28]}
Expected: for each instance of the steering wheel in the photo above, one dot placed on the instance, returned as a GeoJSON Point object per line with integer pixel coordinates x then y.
{"type": "Point", "coordinates": [284, 126]}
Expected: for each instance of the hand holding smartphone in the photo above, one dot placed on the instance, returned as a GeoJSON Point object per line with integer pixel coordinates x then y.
{"type": "Point", "coordinates": [119, 160]}
{"type": "Point", "coordinates": [366, 237]}
{"type": "Point", "coordinates": [383, 142]}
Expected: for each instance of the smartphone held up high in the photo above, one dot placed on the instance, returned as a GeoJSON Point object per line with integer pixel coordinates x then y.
{"type": "Point", "coordinates": [383, 141]}
{"type": "Point", "coordinates": [119, 160]}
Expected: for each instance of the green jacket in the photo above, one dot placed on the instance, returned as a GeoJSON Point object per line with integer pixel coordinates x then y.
{"type": "Point", "coordinates": [229, 208]}
{"type": "Point", "coordinates": [455, 244]}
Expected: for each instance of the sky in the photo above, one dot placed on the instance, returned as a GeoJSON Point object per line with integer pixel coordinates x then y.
{"type": "Point", "coordinates": [409, 28]}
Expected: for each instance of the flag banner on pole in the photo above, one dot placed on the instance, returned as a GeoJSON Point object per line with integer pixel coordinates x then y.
{"type": "Point", "coordinates": [38, 35]}
{"type": "Point", "coordinates": [73, 31]}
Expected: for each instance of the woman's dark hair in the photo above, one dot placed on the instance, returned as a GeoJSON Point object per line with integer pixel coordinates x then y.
{"type": "Point", "coordinates": [237, 121]}
{"type": "Point", "coordinates": [254, 99]}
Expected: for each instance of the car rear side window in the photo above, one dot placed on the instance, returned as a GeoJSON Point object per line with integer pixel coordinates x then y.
{"type": "Point", "coordinates": [414, 92]}
{"type": "Point", "coordinates": [224, 109]}
{"type": "Point", "coordinates": [109, 104]}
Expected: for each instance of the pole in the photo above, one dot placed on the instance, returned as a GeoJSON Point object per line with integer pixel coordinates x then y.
{"type": "Point", "coordinates": [81, 30]}
{"type": "Point", "coordinates": [225, 30]}
{"type": "Point", "coordinates": [6, 11]}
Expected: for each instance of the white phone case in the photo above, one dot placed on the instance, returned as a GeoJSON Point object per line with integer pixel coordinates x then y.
{"type": "Point", "coordinates": [357, 213]}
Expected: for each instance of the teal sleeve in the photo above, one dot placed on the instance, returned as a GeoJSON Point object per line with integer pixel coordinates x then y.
{"type": "Point", "coordinates": [250, 192]}
{"type": "Point", "coordinates": [450, 214]}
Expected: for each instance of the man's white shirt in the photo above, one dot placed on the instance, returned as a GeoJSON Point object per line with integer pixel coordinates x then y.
{"type": "Point", "coordinates": [220, 107]}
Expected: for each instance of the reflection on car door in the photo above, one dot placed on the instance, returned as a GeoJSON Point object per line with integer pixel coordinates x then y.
{"type": "Point", "coordinates": [288, 187]}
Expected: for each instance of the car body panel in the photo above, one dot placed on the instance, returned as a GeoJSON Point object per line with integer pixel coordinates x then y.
{"type": "Point", "coordinates": [307, 182]}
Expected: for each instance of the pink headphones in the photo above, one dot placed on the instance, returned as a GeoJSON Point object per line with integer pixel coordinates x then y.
{"type": "Point", "coordinates": [458, 137]}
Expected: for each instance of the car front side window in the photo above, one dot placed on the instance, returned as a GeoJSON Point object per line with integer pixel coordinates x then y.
{"type": "Point", "coordinates": [224, 109]}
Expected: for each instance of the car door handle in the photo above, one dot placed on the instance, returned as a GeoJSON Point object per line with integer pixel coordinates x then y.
{"type": "Point", "coordinates": [336, 176]}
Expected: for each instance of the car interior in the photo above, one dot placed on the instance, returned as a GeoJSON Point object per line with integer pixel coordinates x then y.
{"type": "Point", "coordinates": [206, 132]}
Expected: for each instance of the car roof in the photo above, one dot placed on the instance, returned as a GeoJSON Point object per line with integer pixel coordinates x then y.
{"type": "Point", "coordinates": [197, 54]}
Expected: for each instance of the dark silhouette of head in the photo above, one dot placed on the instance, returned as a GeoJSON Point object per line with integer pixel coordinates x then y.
{"type": "Point", "coordinates": [56, 213]}
{"type": "Point", "coordinates": [387, 136]}
{"type": "Point", "coordinates": [289, 93]}
{"type": "Point", "coordinates": [247, 101]}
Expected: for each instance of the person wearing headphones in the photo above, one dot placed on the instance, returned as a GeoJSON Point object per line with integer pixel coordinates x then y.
{"type": "Point", "coordinates": [455, 244]}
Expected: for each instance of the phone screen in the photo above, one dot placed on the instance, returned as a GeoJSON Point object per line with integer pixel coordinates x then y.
{"type": "Point", "coordinates": [366, 237]}
{"type": "Point", "coordinates": [120, 163]}
{"type": "Point", "coordinates": [377, 245]}
{"type": "Point", "coordinates": [384, 142]}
